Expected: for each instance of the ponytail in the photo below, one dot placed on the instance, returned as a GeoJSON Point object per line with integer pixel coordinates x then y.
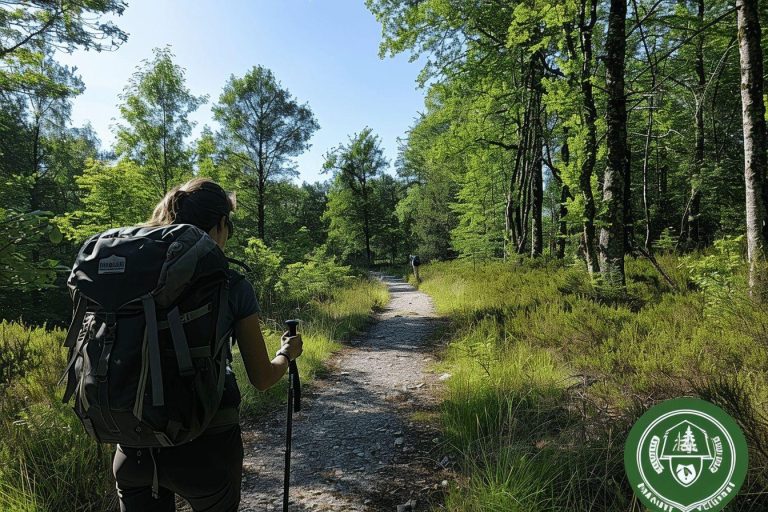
{"type": "Point", "coordinates": [200, 201]}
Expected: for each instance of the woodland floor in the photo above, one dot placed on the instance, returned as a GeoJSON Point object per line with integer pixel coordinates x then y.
{"type": "Point", "coordinates": [365, 438]}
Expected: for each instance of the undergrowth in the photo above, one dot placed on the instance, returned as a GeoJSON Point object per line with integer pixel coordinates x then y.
{"type": "Point", "coordinates": [549, 373]}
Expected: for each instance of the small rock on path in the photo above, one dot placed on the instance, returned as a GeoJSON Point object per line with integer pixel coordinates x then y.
{"type": "Point", "coordinates": [354, 445]}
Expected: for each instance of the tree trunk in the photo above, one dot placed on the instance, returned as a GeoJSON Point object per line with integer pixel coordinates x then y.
{"type": "Point", "coordinates": [652, 66]}
{"type": "Point", "coordinates": [753, 121]}
{"type": "Point", "coordinates": [518, 195]}
{"type": "Point", "coordinates": [694, 234]}
{"type": "Point", "coordinates": [260, 205]}
{"type": "Point", "coordinates": [367, 234]}
{"type": "Point", "coordinates": [646, 163]}
{"type": "Point", "coordinates": [35, 200]}
{"type": "Point", "coordinates": [629, 219]}
{"type": "Point", "coordinates": [562, 231]}
{"type": "Point", "coordinates": [537, 200]}
{"type": "Point", "coordinates": [590, 146]}
{"type": "Point", "coordinates": [537, 161]}
{"type": "Point", "coordinates": [612, 234]}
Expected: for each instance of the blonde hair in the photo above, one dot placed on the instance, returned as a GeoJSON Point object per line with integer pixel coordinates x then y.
{"type": "Point", "coordinates": [199, 201]}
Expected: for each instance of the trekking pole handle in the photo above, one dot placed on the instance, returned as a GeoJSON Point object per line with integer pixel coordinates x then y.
{"type": "Point", "coordinates": [293, 370]}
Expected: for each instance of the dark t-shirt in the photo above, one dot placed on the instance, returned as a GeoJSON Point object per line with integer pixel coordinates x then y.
{"type": "Point", "coordinates": [242, 304]}
{"type": "Point", "coordinates": [242, 297]}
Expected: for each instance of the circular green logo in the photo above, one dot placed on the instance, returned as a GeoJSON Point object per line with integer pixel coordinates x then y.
{"type": "Point", "coordinates": [685, 454]}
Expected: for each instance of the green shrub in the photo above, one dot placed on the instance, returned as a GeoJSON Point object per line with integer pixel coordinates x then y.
{"type": "Point", "coordinates": [266, 265]}
{"type": "Point", "coordinates": [313, 279]}
{"type": "Point", "coordinates": [720, 275]}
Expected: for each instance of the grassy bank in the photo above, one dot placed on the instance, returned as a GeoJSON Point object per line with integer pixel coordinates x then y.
{"type": "Point", "coordinates": [49, 464]}
{"type": "Point", "coordinates": [549, 374]}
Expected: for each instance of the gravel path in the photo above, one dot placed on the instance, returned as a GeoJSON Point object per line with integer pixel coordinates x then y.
{"type": "Point", "coordinates": [354, 444]}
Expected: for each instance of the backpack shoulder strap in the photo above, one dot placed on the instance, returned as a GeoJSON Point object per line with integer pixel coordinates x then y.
{"type": "Point", "coordinates": [240, 264]}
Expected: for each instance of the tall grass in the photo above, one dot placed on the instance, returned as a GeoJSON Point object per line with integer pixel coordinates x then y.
{"type": "Point", "coordinates": [47, 461]}
{"type": "Point", "coordinates": [549, 373]}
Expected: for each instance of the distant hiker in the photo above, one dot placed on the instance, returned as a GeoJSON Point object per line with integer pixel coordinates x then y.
{"type": "Point", "coordinates": [415, 263]}
{"type": "Point", "coordinates": [150, 365]}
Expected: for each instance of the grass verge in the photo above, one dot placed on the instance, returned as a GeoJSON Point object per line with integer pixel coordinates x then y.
{"type": "Point", "coordinates": [549, 374]}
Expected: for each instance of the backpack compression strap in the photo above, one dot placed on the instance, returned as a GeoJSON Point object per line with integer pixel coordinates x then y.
{"type": "Point", "coordinates": [74, 342]}
{"type": "Point", "coordinates": [153, 349]}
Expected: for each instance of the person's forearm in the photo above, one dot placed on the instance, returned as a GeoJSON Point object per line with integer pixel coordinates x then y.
{"type": "Point", "coordinates": [279, 367]}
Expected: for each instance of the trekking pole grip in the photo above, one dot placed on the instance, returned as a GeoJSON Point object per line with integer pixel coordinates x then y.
{"type": "Point", "coordinates": [293, 370]}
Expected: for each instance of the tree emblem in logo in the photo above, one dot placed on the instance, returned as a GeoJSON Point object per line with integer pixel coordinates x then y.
{"type": "Point", "coordinates": [685, 454]}
{"type": "Point", "coordinates": [685, 449]}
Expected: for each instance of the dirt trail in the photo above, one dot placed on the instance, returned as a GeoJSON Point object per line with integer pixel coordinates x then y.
{"type": "Point", "coordinates": [354, 446]}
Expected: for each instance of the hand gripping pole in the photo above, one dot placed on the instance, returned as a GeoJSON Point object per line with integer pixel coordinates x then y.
{"type": "Point", "coordinates": [294, 404]}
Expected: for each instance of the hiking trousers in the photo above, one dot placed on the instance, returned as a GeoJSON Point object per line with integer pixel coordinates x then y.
{"type": "Point", "coordinates": [206, 472]}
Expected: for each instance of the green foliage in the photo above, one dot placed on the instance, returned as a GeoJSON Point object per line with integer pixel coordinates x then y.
{"type": "Point", "coordinates": [30, 30]}
{"type": "Point", "coordinates": [68, 25]}
{"type": "Point", "coordinates": [720, 275]}
{"type": "Point", "coordinates": [667, 242]}
{"type": "Point", "coordinates": [266, 265]}
{"type": "Point", "coordinates": [264, 127]}
{"type": "Point", "coordinates": [19, 271]}
{"type": "Point", "coordinates": [361, 200]}
{"type": "Point", "coordinates": [295, 226]}
{"type": "Point", "coordinates": [112, 196]}
{"type": "Point", "coordinates": [314, 279]}
{"type": "Point", "coordinates": [479, 206]}
{"type": "Point", "coordinates": [156, 106]}
{"type": "Point", "coordinates": [47, 461]}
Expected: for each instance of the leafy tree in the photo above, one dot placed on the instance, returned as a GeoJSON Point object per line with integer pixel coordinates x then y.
{"type": "Point", "coordinates": [295, 223]}
{"type": "Point", "coordinates": [19, 273]}
{"type": "Point", "coordinates": [479, 206]}
{"type": "Point", "coordinates": [350, 202]}
{"type": "Point", "coordinates": [388, 237]}
{"type": "Point", "coordinates": [64, 157]}
{"type": "Point", "coordinates": [48, 109]}
{"type": "Point", "coordinates": [25, 25]}
{"type": "Point", "coordinates": [156, 104]}
{"type": "Point", "coordinates": [265, 265]}
{"type": "Point", "coordinates": [112, 196]}
{"type": "Point", "coordinates": [263, 128]}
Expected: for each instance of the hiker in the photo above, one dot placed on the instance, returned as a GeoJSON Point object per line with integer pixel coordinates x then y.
{"type": "Point", "coordinates": [415, 263]}
{"type": "Point", "coordinates": [206, 471]}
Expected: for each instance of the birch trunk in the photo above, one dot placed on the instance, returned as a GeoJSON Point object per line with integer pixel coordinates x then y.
{"type": "Point", "coordinates": [753, 121]}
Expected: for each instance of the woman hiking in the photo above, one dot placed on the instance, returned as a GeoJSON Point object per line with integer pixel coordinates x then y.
{"type": "Point", "coordinates": [206, 471]}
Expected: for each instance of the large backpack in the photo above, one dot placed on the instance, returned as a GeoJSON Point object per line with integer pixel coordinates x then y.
{"type": "Point", "coordinates": [148, 341]}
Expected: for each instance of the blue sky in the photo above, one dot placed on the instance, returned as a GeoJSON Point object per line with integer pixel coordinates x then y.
{"type": "Point", "coordinates": [325, 52]}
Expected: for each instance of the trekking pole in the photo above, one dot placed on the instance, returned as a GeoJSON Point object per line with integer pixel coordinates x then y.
{"type": "Point", "coordinates": [294, 404]}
